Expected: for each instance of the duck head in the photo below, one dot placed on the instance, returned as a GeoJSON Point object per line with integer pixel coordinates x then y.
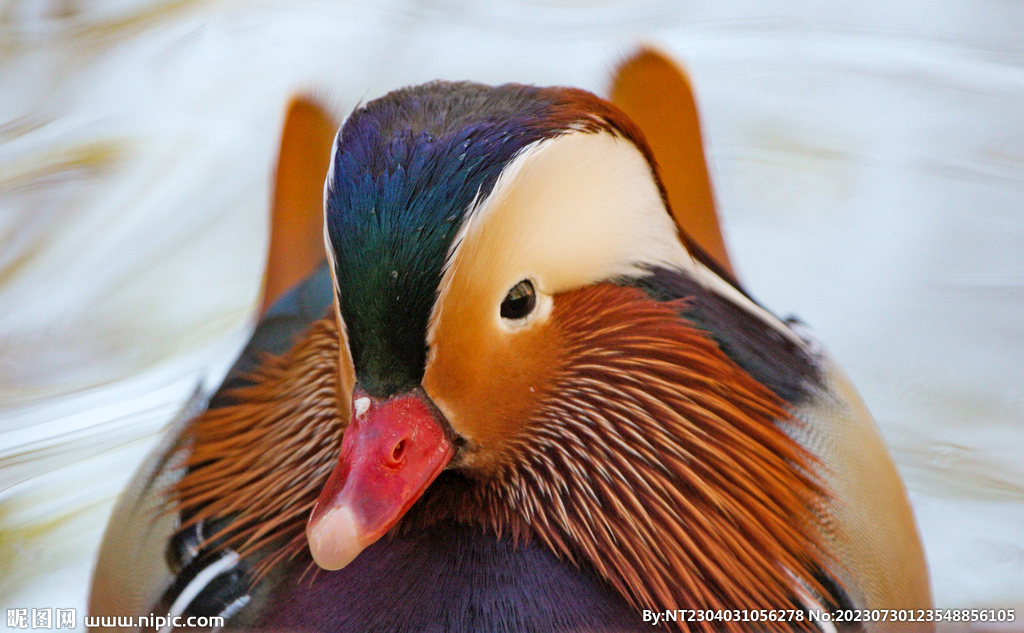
{"type": "Point", "coordinates": [509, 289]}
{"type": "Point", "coordinates": [455, 214]}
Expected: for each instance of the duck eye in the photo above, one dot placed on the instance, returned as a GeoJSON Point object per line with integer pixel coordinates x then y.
{"type": "Point", "coordinates": [519, 301]}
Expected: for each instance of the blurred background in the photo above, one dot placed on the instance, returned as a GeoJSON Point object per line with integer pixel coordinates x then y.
{"type": "Point", "coordinates": [868, 159]}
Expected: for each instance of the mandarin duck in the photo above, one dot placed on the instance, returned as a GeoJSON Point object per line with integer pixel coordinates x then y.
{"type": "Point", "coordinates": [524, 391]}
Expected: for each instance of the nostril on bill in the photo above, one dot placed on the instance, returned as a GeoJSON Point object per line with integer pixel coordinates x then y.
{"type": "Point", "coordinates": [398, 452]}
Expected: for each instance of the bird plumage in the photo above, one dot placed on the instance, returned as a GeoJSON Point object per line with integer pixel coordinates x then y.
{"type": "Point", "coordinates": [643, 425]}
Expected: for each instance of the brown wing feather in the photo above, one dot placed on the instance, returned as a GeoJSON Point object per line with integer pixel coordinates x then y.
{"type": "Point", "coordinates": [296, 221]}
{"type": "Point", "coordinates": [262, 460]}
{"type": "Point", "coordinates": [657, 96]}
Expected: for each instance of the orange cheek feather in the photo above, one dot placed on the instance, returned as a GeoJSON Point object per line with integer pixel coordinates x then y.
{"type": "Point", "coordinates": [487, 380]}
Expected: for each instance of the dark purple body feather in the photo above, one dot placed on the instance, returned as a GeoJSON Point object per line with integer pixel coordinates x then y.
{"type": "Point", "coordinates": [450, 578]}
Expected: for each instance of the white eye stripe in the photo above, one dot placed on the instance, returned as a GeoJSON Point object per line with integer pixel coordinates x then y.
{"type": "Point", "coordinates": [570, 211]}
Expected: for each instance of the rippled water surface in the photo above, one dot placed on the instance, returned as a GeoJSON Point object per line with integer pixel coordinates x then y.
{"type": "Point", "coordinates": [868, 160]}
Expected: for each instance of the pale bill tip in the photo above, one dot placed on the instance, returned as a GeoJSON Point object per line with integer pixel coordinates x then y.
{"type": "Point", "coordinates": [334, 538]}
